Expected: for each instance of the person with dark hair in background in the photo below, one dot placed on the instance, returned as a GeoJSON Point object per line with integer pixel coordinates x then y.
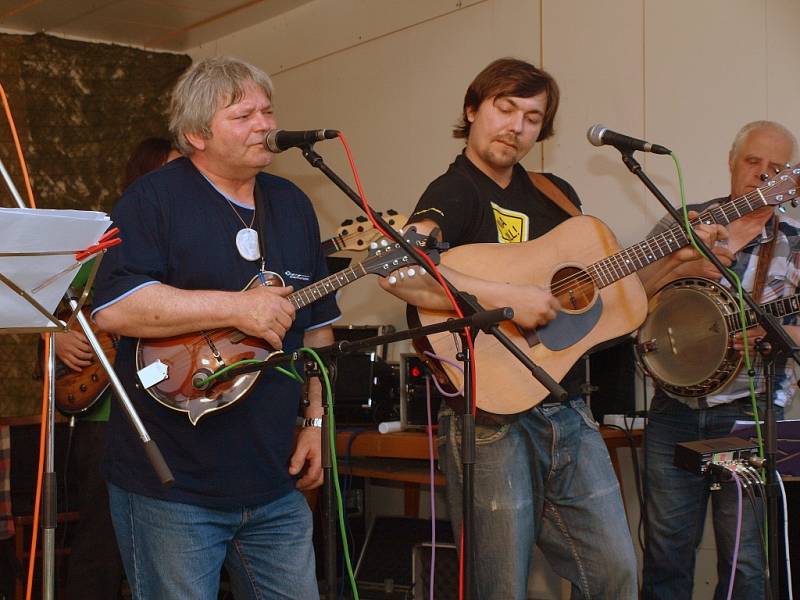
{"type": "Point", "coordinates": [542, 477]}
{"type": "Point", "coordinates": [150, 154]}
{"type": "Point", "coordinates": [94, 568]}
{"type": "Point", "coordinates": [195, 234]}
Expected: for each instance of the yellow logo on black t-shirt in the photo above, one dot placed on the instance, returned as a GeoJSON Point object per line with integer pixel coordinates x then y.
{"type": "Point", "coordinates": [512, 226]}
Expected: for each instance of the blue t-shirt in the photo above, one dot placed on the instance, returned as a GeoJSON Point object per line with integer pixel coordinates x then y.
{"type": "Point", "coordinates": [178, 230]}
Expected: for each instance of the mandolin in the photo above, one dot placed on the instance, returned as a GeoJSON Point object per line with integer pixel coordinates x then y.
{"type": "Point", "coordinates": [581, 263]}
{"type": "Point", "coordinates": [174, 370]}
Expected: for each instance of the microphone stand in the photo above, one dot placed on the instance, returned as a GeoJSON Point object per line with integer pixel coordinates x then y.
{"type": "Point", "coordinates": [481, 320]}
{"type": "Point", "coordinates": [469, 306]}
{"type": "Point", "coordinates": [776, 344]}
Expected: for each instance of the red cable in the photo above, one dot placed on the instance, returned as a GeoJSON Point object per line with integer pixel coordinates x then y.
{"type": "Point", "coordinates": [433, 269]}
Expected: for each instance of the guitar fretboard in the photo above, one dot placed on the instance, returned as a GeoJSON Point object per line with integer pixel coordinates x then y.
{"type": "Point", "coordinates": [623, 263]}
{"type": "Point", "coordinates": [323, 287]}
{"type": "Point", "coordinates": [782, 307]}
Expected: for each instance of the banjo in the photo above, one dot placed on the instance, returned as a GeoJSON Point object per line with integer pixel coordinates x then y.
{"type": "Point", "coordinates": [685, 344]}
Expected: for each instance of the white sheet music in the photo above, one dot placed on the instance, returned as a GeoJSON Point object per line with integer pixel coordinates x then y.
{"type": "Point", "coordinates": [41, 230]}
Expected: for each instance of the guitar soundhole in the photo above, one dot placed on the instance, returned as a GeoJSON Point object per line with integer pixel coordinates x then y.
{"type": "Point", "coordinates": [574, 289]}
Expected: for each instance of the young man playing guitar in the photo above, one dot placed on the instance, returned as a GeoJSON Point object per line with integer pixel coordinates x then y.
{"type": "Point", "coordinates": [676, 499]}
{"type": "Point", "coordinates": [195, 233]}
{"type": "Point", "coordinates": [542, 476]}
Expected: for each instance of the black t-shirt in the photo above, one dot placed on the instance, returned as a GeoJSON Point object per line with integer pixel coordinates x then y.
{"type": "Point", "coordinates": [178, 230]}
{"type": "Point", "coordinates": [470, 208]}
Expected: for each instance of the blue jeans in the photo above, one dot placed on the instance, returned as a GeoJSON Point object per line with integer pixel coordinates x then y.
{"type": "Point", "coordinates": [677, 501]}
{"type": "Point", "coordinates": [174, 551]}
{"type": "Point", "coordinates": [546, 479]}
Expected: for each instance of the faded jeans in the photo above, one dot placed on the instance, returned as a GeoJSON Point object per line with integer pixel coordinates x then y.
{"type": "Point", "coordinates": [546, 478]}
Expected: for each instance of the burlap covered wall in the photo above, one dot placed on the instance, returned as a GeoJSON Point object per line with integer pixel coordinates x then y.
{"type": "Point", "coordinates": [80, 108]}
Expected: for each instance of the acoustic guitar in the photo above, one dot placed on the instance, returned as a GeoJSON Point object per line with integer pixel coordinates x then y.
{"type": "Point", "coordinates": [581, 264]}
{"type": "Point", "coordinates": [183, 367]}
{"type": "Point", "coordinates": [77, 391]}
{"type": "Point", "coordinates": [358, 233]}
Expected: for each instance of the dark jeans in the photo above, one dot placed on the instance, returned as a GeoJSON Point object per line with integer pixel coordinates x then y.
{"type": "Point", "coordinates": [677, 501]}
{"type": "Point", "coordinates": [95, 567]}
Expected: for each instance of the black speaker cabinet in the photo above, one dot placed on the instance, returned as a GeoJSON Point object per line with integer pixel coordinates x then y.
{"type": "Point", "coordinates": [384, 569]}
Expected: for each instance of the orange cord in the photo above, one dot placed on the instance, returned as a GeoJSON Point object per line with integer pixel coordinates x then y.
{"type": "Point", "coordinates": [435, 271]}
{"type": "Point", "coordinates": [46, 379]}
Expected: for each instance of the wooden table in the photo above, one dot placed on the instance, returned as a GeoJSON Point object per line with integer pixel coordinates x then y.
{"type": "Point", "coordinates": [403, 457]}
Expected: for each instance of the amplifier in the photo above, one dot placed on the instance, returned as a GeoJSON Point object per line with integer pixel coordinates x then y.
{"type": "Point", "coordinates": [696, 457]}
{"type": "Point", "coordinates": [413, 393]}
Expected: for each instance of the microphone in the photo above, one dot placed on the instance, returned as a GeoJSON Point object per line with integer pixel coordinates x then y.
{"type": "Point", "coordinates": [600, 135]}
{"type": "Point", "coordinates": [278, 140]}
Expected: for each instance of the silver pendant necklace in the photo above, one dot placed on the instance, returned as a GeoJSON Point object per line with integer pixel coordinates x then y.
{"type": "Point", "coordinates": [247, 237]}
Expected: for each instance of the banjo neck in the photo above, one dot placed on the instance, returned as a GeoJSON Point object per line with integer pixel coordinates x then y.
{"type": "Point", "coordinates": [782, 307]}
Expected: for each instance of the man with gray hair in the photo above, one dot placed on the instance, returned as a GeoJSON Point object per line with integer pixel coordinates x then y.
{"type": "Point", "coordinates": [195, 233]}
{"type": "Point", "coordinates": [676, 499]}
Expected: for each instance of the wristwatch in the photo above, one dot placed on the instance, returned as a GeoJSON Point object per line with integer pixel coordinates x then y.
{"type": "Point", "coordinates": [315, 422]}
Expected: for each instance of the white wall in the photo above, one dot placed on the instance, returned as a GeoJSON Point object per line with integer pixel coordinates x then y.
{"type": "Point", "coordinates": [391, 75]}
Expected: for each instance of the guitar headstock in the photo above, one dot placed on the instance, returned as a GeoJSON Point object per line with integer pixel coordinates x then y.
{"type": "Point", "coordinates": [783, 187]}
{"type": "Point", "coordinates": [386, 255]}
{"type": "Point", "coordinates": [356, 234]}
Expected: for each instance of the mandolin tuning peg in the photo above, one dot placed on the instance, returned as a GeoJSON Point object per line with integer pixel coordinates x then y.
{"type": "Point", "coordinates": [361, 218]}
{"type": "Point", "coordinates": [391, 212]}
{"type": "Point", "coordinates": [347, 222]}
{"type": "Point", "coordinates": [764, 177]}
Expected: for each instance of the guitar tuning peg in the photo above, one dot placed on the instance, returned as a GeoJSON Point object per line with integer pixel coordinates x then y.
{"type": "Point", "coordinates": [392, 280]}
{"type": "Point", "coordinates": [345, 232]}
{"type": "Point", "coordinates": [361, 218]}
{"type": "Point", "coordinates": [411, 272]}
{"type": "Point", "coordinates": [347, 222]}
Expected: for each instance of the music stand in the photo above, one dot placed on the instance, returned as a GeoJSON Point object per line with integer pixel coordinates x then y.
{"type": "Point", "coordinates": [33, 284]}
{"type": "Point", "coordinates": [41, 319]}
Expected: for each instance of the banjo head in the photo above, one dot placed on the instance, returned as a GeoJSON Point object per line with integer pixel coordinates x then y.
{"type": "Point", "coordinates": [685, 340]}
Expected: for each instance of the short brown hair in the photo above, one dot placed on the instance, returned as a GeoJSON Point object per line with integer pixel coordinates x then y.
{"type": "Point", "coordinates": [510, 77]}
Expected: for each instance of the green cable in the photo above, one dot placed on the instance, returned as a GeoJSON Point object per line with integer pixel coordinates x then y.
{"type": "Point", "coordinates": [731, 275]}
{"type": "Point", "coordinates": [293, 374]}
{"type": "Point", "coordinates": [335, 467]}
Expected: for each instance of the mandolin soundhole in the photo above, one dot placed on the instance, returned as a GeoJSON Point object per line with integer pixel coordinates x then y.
{"type": "Point", "coordinates": [574, 289]}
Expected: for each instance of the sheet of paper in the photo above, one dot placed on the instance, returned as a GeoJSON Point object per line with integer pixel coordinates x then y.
{"type": "Point", "coordinates": [41, 230]}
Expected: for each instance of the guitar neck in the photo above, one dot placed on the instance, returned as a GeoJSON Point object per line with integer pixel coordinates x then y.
{"type": "Point", "coordinates": [332, 245]}
{"type": "Point", "coordinates": [631, 259]}
{"type": "Point", "coordinates": [323, 287]}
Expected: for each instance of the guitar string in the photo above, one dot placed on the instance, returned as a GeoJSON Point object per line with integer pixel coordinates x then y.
{"type": "Point", "coordinates": [583, 277]}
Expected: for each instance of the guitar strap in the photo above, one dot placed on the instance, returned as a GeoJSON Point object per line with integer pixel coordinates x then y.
{"type": "Point", "coordinates": [552, 192]}
{"type": "Point", "coordinates": [764, 259]}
